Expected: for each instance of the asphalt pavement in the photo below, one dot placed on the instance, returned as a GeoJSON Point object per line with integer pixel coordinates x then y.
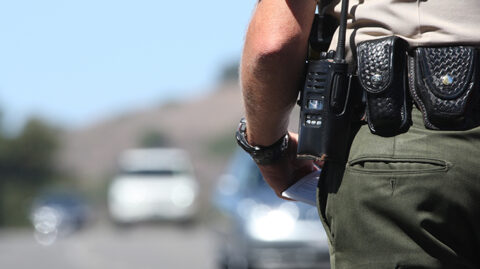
{"type": "Point", "coordinates": [103, 246]}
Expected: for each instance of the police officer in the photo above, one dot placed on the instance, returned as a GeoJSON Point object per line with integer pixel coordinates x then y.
{"type": "Point", "coordinates": [411, 200]}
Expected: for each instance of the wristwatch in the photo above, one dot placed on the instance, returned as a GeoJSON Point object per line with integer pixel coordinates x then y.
{"type": "Point", "coordinates": [260, 154]}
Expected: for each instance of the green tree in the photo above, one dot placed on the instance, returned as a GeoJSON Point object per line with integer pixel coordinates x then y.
{"type": "Point", "coordinates": [230, 72]}
{"type": "Point", "coordinates": [154, 139]}
{"type": "Point", "coordinates": [26, 165]}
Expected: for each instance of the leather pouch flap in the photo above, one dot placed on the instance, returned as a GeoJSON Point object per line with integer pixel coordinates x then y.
{"type": "Point", "coordinates": [446, 71]}
{"type": "Point", "coordinates": [375, 63]}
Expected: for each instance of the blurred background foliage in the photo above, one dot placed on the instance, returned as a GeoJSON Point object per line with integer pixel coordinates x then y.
{"type": "Point", "coordinates": [230, 72]}
{"type": "Point", "coordinates": [221, 145]}
{"type": "Point", "coordinates": [154, 139]}
{"type": "Point", "coordinates": [27, 164]}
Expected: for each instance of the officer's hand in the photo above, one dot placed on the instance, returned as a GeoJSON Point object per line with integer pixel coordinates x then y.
{"type": "Point", "coordinates": [289, 170]}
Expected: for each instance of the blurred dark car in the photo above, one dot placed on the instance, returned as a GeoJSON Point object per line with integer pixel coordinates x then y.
{"type": "Point", "coordinates": [259, 230]}
{"type": "Point", "coordinates": [58, 213]}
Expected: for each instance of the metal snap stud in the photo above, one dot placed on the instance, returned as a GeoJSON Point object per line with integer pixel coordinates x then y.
{"type": "Point", "coordinates": [376, 78]}
{"type": "Point", "coordinates": [447, 80]}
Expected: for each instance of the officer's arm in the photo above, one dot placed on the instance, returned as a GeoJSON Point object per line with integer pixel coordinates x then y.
{"type": "Point", "coordinates": [272, 65]}
{"type": "Point", "coordinates": [271, 75]}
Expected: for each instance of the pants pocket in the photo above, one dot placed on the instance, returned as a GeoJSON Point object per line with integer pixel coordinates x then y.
{"type": "Point", "coordinates": [407, 165]}
{"type": "Point", "coordinates": [413, 212]}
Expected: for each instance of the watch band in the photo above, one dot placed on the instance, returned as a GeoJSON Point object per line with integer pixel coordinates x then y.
{"type": "Point", "coordinates": [260, 154]}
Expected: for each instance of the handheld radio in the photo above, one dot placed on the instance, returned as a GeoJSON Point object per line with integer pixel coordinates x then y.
{"type": "Point", "coordinates": [325, 113]}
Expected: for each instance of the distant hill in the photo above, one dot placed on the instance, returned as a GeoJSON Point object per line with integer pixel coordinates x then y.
{"type": "Point", "coordinates": [91, 152]}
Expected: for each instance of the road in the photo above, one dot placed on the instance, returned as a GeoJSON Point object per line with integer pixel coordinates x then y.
{"type": "Point", "coordinates": [102, 246]}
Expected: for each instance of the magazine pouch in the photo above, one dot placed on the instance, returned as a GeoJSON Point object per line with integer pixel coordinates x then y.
{"type": "Point", "coordinates": [444, 84]}
{"type": "Point", "coordinates": [382, 68]}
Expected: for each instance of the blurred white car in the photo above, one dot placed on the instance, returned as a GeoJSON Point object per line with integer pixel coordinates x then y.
{"type": "Point", "coordinates": [153, 184]}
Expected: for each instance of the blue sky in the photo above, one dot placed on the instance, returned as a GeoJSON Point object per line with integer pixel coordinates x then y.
{"type": "Point", "coordinates": [74, 62]}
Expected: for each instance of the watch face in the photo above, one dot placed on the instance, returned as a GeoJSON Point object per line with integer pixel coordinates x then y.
{"type": "Point", "coordinates": [242, 138]}
{"type": "Point", "coordinates": [242, 142]}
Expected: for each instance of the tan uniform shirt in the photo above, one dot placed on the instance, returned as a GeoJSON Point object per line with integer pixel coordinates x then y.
{"type": "Point", "coordinates": [420, 22]}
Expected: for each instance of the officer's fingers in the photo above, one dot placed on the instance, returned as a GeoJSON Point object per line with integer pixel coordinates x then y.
{"type": "Point", "coordinates": [319, 164]}
{"type": "Point", "coordinates": [293, 137]}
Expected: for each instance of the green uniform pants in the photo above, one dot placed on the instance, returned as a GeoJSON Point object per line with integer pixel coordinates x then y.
{"type": "Point", "coordinates": [409, 201]}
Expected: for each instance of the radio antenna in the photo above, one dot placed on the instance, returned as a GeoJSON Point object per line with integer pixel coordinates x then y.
{"type": "Point", "coordinates": [340, 52]}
